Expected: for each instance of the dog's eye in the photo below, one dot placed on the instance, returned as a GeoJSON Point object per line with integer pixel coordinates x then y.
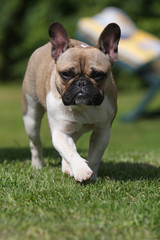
{"type": "Point", "coordinates": [97, 75]}
{"type": "Point", "coordinates": [67, 75]}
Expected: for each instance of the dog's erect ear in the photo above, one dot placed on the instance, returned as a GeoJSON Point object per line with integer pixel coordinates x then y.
{"type": "Point", "coordinates": [108, 41]}
{"type": "Point", "coordinates": [58, 38]}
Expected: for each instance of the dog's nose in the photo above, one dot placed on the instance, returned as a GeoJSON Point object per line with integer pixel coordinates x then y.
{"type": "Point", "coordinates": [81, 83]}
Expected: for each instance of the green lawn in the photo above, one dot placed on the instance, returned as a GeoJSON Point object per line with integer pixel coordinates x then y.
{"type": "Point", "coordinates": [123, 204]}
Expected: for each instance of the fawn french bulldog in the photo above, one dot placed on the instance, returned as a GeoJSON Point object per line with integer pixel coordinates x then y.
{"type": "Point", "coordinates": [73, 83]}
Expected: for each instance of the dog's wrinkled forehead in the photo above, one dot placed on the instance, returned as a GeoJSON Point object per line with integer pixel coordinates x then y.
{"type": "Point", "coordinates": [84, 58]}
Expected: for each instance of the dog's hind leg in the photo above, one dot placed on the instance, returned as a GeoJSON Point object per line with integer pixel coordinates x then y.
{"type": "Point", "coordinates": [66, 168]}
{"type": "Point", "coordinates": [32, 120]}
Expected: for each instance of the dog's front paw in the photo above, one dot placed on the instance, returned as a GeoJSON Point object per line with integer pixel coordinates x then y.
{"type": "Point", "coordinates": [82, 172]}
{"type": "Point", "coordinates": [66, 168]}
{"type": "Point", "coordinates": [93, 177]}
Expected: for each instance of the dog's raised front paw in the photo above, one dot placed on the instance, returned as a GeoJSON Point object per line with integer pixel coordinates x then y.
{"type": "Point", "coordinates": [82, 172]}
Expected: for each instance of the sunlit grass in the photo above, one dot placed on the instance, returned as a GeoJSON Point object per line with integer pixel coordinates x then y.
{"type": "Point", "coordinates": [123, 204]}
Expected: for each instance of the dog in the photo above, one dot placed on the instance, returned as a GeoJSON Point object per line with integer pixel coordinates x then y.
{"type": "Point", "coordinates": [73, 83]}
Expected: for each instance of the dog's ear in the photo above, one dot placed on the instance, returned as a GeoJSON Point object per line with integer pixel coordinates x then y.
{"type": "Point", "coordinates": [59, 39]}
{"type": "Point", "coordinates": [108, 41]}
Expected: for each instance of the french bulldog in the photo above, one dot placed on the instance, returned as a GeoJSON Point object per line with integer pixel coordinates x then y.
{"type": "Point", "coordinates": [73, 83]}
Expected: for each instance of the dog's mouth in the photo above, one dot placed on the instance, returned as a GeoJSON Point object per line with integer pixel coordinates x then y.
{"type": "Point", "coordinates": [77, 99]}
{"type": "Point", "coordinates": [82, 98]}
{"type": "Point", "coordinates": [87, 94]}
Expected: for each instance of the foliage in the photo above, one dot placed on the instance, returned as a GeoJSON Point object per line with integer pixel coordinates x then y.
{"type": "Point", "coordinates": [123, 204]}
{"type": "Point", "coordinates": [24, 25]}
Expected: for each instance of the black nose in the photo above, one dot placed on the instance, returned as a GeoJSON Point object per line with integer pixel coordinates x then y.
{"type": "Point", "coordinates": [82, 82]}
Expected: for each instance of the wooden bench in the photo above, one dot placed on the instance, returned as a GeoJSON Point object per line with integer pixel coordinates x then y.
{"type": "Point", "coordinates": [139, 52]}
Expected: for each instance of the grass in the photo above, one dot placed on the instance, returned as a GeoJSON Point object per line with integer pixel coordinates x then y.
{"type": "Point", "coordinates": [123, 204]}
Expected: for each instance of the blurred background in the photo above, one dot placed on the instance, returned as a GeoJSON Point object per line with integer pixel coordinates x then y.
{"type": "Point", "coordinates": [24, 27]}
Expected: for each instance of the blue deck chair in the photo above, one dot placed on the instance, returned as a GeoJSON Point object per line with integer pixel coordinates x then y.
{"type": "Point", "coordinates": [139, 51]}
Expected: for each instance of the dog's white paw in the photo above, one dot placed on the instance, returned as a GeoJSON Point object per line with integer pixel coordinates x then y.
{"type": "Point", "coordinates": [38, 163]}
{"type": "Point", "coordinates": [82, 172]}
{"type": "Point", "coordinates": [66, 168]}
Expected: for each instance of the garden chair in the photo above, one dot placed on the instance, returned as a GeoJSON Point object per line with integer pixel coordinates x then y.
{"type": "Point", "coordinates": [139, 51]}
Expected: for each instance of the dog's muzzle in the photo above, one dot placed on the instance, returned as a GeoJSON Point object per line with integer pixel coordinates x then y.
{"type": "Point", "coordinates": [82, 91]}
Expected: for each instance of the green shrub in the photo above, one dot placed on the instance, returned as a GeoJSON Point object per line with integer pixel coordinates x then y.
{"type": "Point", "coordinates": [24, 25]}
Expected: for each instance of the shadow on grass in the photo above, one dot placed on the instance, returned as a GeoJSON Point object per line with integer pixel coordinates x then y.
{"type": "Point", "coordinates": [112, 170]}
{"type": "Point", "coordinates": [23, 154]}
{"type": "Point", "coordinates": [128, 171]}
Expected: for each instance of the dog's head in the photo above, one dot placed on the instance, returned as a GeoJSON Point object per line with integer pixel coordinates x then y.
{"type": "Point", "coordinates": [82, 71]}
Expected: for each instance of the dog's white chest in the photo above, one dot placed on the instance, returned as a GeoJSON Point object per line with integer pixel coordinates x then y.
{"type": "Point", "coordinates": [70, 119]}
